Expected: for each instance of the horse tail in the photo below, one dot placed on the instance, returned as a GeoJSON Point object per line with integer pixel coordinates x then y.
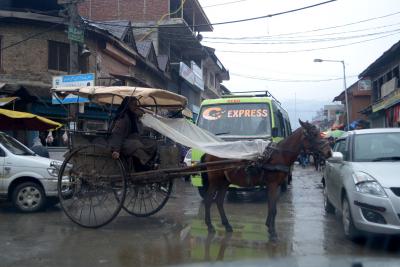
{"type": "Point", "coordinates": [204, 175]}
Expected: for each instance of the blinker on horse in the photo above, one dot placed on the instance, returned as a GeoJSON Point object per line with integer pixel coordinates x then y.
{"type": "Point", "coordinates": [270, 171]}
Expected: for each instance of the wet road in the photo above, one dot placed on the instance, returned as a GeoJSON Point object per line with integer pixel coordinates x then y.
{"type": "Point", "coordinates": [177, 234]}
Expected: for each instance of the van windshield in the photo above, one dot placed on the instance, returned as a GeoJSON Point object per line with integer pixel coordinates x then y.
{"type": "Point", "coordinates": [236, 119]}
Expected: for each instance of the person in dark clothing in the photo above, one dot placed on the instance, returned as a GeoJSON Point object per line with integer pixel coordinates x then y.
{"type": "Point", "coordinates": [39, 149]}
{"type": "Point", "coordinates": [125, 137]}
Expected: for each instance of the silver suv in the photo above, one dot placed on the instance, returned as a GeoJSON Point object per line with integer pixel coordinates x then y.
{"type": "Point", "coordinates": [26, 179]}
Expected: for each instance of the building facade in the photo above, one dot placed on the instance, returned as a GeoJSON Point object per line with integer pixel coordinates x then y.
{"type": "Point", "coordinates": [383, 74]}
{"type": "Point", "coordinates": [35, 48]}
{"type": "Point", "coordinates": [173, 27]}
{"type": "Point", "coordinates": [359, 98]}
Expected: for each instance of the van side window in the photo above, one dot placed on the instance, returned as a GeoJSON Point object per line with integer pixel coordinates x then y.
{"type": "Point", "coordinates": [2, 153]}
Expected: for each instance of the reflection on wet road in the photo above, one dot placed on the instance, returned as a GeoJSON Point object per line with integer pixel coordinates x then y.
{"type": "Point", "coordinates": [178, 235]}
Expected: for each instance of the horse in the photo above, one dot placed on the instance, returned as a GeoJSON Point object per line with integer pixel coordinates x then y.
{"type": "Point", "coordinates": [270, 171]}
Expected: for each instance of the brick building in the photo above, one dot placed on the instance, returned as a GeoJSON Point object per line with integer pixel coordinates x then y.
{"type": "Point", "coordinates": [359, 98]}
{"type": "Point", "coordinates": [35, 47]}
{"type": "Point", "coordinates": [173, 27]}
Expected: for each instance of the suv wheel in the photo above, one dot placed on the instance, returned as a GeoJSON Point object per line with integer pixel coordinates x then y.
{"type": "Point", "coordinates": [28, 197]}
{"type": "Point", "coordinates": [350, 231]}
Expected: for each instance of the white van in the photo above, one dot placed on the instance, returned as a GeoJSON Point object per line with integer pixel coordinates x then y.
{"type": "Point", "coordinates": [26, 179]}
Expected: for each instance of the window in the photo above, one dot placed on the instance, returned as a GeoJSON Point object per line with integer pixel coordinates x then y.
{"type": "Point", "coordinates": [58, 56]}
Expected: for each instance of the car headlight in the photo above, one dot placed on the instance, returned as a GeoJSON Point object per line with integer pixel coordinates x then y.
{"type": "Point", "coordinates": [52, 171]}
{"type": "Point", "coordinates": [366, 184]}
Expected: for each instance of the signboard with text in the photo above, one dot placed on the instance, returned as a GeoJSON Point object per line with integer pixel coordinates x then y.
{"type": "Point", "coordinates": [79, 80]}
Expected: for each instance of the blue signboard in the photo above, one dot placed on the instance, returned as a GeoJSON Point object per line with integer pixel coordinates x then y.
{"type": "Point", "coordinates": [79, 80]}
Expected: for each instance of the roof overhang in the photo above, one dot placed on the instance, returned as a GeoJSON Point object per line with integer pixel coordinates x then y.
{"type": "Point", "coordinates": [379, 64]}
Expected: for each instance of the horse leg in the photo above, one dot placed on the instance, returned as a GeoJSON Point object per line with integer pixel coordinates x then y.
{"type": "Point", "coordinates": [207, 205]}
{"type": "Point", "coordinates": [272, 200]}
{"type": "Point", "coordinates": [220, 204]}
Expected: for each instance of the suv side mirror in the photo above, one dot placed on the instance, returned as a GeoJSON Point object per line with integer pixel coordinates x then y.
{"type": "Point", "coordinates": [274, 132]}
{"type": "Point", "coordinates": [337, 157]}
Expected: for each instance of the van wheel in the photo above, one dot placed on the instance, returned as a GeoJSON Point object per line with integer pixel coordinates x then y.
{"type": "Point", "coordinates": [28, 197]}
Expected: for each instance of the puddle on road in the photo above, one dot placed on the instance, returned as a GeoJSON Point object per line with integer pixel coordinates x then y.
{"type": "Point", "coordinates": [178, 235]}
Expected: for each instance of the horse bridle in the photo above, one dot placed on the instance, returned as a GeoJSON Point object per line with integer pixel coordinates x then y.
{"type": "Point", "coordinates": [314, 144]}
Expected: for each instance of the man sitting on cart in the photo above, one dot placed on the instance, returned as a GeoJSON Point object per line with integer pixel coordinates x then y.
{"type": "Point", "coordinates": [125, 137]}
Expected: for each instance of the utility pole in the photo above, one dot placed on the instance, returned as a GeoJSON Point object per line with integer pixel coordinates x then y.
{"type": "Point", "coordinates": [75, 34]}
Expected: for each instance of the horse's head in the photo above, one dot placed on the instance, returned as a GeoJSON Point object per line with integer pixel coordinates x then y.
{"type": "Point", "coordinates": [313, 142]}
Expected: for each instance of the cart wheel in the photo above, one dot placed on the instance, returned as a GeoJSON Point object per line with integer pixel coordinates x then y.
{"type": "Point", "coordinates": [91, 186]}
{"type": "Point", "coordinates": [147, 199]}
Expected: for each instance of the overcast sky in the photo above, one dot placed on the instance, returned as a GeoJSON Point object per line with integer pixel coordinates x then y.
{"type": "Point", "coordinates": [274, 60]}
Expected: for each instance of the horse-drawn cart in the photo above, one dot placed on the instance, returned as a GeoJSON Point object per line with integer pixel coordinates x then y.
{"type": "Point", "coordinates": [93, 187]}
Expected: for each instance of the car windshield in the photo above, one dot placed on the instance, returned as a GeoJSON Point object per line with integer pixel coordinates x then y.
{"type": "Point", "coordinates": [377, 147]}
{"type": "Point", "coordinates": [14, 146]}
{"type": "Point", "coordinates": [243, 119]}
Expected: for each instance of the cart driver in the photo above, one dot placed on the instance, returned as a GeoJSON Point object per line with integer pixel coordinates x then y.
{"type": "Point", "coordinates": [125, 137]}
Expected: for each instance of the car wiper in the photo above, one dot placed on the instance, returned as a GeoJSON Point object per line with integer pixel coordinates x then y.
{"type": "Point", "coordinates": [222, 133]}
{"type": "Point", "coordinates": [395, 158]}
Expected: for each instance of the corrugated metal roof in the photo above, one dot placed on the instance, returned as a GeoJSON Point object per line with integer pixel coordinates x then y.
{"type": "Point", "coordinates": [144, 47]}
{"type": "Point", "coordinates": [162, 62]}
{"type": "Point", "coordinates": [117, 28]}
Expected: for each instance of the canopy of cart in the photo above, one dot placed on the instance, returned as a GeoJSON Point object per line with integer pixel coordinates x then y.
{"type": "Point", "coordinates": [147, 97]}
{"type": "Point", "coordinates": [188, 134]}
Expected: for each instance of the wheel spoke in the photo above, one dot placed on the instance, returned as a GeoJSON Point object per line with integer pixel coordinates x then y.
{"type": "Point", "coordinates": [89, 195]}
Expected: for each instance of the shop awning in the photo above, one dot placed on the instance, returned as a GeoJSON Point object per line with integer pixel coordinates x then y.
{"type": "Point", "coordinates": [7, 100]}
{"type": "Point", "coordinates": [16, 120]}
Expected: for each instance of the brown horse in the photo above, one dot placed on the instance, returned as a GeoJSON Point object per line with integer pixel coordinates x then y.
{"type": "Point", "coordinates": [271, 172]}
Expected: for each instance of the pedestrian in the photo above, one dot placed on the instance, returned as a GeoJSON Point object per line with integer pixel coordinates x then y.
{"type": "Point", "coordinates": [303, 158]}
{"type": "Point", "coordinates": [39, 149]}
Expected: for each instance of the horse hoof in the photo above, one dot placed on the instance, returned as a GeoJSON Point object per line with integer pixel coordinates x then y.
{"type": "Point", "coordinates": [228, 229]}
{"type": "Point", "coordinates": [273, 238]}
{"type": "Point", "coordinates": [211, 230]}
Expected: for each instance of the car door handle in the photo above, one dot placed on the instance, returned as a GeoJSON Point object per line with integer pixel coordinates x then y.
{"type": "Point", "coordinates": [7, 168]}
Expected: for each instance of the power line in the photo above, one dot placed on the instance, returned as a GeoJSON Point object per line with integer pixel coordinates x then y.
{"type": "Point", "coordinates": [220, 23]}
{"type": "Point", "coordinates": [269, 37]}
{"type": "Point", "coordinates": [304, 50]}
{"type": "Point", "coordinates": [31, 36]}
{"type": "Point", "coordinates": [288, 80]}
{"type": "Point", "coordinates": [334, 39]}
{"type": "Point", "coordinates": [315, 30]}
{"type": "Point", "coordinates": [226, 3]}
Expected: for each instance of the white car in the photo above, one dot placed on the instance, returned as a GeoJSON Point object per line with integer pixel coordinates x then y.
{"type": "Point", "coordinates": [362, 181]}
{"type": "Point", "coordinates": [26, 179]}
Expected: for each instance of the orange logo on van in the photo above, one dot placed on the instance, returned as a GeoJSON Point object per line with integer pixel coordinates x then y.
{"type": "Point", "coordinates": [213, 113]}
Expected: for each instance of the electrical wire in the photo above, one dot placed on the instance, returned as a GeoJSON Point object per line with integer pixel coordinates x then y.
{"type": "Point", "coordinates": [162, 17]}
{"type": "Point", "coordinates": [225, 22]}
{"type": "Point", "coordinates": [287, 80]}
{"type": "Point", "coordinates": [224, 4]}
{"type": "Point", "coordinates": [318, 29]}
{"type": "Point", "coordinates": [175, 36]}
{"type": "Point", "coordinates": [304, 50]}
{"type": "Point", "coordinates": [280, 42]}
{"type": "Point", "coordinates": [31, 36]}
